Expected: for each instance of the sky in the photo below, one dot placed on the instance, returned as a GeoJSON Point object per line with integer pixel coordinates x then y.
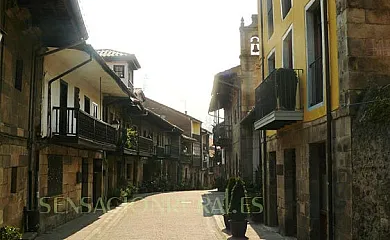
{"type": "Point", "coordinates": [180, 44]}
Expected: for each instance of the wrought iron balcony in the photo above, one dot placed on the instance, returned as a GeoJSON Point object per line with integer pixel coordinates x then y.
{"type": "Point", "coordinates": [75, 127]}
{"type": "Point", "coordinates": [222, 134]}
{"type": "Point", "coordinates": [171, 151]}
{"type": "Point", "coordinates": [278, 100]}
{"type": "Point", "coordinates": [145, 146]}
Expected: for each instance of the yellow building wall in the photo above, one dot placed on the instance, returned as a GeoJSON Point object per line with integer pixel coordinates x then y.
{"type": "Point", "coordinates": [296, 18]}
{"type": "Point", "coordinates": [195, 127]}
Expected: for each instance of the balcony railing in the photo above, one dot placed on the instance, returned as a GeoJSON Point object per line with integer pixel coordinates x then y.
{"type": "Point", "coordinates": [196, 161]}
{"type": "Point", "coordinates": [171, 151]}
{"type": "Point", "coordinates": [145, 145]}
{"type": "Point", "coordinates": [222, 134]}
{"type": "Point", "coordinates": [159, 151]}
{"type": "Point", "coordinates": [278, 100]}
{"type": "Point", "coordinates": [186, 158]}
{"type": "Point", "coordinates": [72, 122]}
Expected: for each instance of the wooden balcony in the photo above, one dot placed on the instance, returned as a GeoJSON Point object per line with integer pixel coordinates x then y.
{"type": "Point", "coordinates": [171, 151]}
{"type": "Point", "coordinates": [159, 151]}
{"type": "Point", "coordinates": [278, 100]}
{"type": "Point", "coordinates": [196, 161]}
{"type": "Point", "coordinates": [222, 134]}
{"type": "Point", "coordinates": [145, 146]}
{"type": "Point", "coordinates": [77, 128]}
{"type": "Point", "coordinates": [186, 158]}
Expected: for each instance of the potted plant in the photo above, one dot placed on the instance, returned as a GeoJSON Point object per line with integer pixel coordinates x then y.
{"type": "Point", "coordinates": [228, 192]}
{"type": "Point", "coordinates": [238, 210]}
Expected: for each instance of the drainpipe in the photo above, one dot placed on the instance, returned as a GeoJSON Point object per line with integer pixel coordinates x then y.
{"type": "Point", "coordinates": [2, 42]}
{"type": "Point", "coordinates": [49, 90]}
{"type": "Point", "coordinates": [30, 142]}
{"type": "Point", "coordinates": [328, 124]}
{"type": "Point", "coordinates": [264, 132]}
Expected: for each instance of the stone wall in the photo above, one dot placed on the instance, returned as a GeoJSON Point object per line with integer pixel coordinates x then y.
{"type": "Point", "coordinates": [72, 166]}
{"type": "Point", "coordinates": [364, 45]}
{"type": "Point", "coordinates": [302, 138]}
{"type": "Point", "coordinates": [11, 204]}
{"type": "Point", "coordinates": [371, 168]}
{"type": "Point", "coordinates": [14, 115]}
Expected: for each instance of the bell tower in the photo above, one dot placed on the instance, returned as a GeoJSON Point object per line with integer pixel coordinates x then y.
{"type": "Point", "coordinates": [249, 56]}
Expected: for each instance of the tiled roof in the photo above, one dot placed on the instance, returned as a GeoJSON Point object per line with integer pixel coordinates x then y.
{"type": "Point", "coordinates": [112, 53]}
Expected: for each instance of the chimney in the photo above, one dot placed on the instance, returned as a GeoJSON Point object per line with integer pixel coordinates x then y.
{"type": "Point", "coordinates": [185, 112]}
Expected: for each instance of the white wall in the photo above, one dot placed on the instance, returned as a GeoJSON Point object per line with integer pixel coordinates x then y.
{"type": "Point", "coordinates": [86, 88]}
{"type": "Point", "coordinates": [128, 72]}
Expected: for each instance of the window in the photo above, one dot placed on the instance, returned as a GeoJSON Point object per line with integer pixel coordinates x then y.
{"type": "Point", "coordinates": [54, 178]}
{"type": "Point", "coordinates": [131, 81]}
{"type": "Point", "coordinates": [286, 6]}
{"type": "Point", "coordinates": [270, 18]}
{"type": "Point", "coordinates": [87, 105]}
{"type": "Point", "coordinates": [288, 50]}
{"type": "Point", "coordinates": [314, 54]}
{"type": "Point", "coordinates": [119, 70]}
{"type": "Point", "coordinates": [14, 179]}
{"type": "Point", "coordinates": [95, 110]}
{"type": "Point", "coordinates": [111, 117]}
{"type": "Point", "coordinates": [271, 62]}
{"type": "Point", "coordinates": [19, 74]}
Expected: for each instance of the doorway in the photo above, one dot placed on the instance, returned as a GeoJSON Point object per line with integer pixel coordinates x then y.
{"type": "Point", "coordinates": [97, 180]}
{"type": "Point", "coordinates": [290, 192]}
{"type": "Point", "coordinates": [84, 184]}
{"type": "Point", "coordinates": [318, 191]}
{"type": "Point", "coordinates": [272, 206]}
{"type": "Point", "coordinates": [63, 108]}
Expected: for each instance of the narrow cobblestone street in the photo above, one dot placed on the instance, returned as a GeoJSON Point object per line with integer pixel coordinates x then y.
{"type": "Point", "coordinates": [176, 215]}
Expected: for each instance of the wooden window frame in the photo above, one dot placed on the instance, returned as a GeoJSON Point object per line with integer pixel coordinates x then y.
{"type": "Point", "coordinates": [120, 74]}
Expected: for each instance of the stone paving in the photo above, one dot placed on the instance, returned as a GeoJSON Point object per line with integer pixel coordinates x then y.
{"type": "Point", "coordinates": [176, 215]}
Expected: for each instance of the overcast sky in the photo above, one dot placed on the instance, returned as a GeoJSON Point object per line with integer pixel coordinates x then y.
{"type": "Point", "coordinates": [180, 44]}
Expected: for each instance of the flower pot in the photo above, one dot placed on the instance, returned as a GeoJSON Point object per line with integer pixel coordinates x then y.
{"type": "Point", "coordinates": [238, 228]}
{"type": "Point", "coordinates": [226, 220]}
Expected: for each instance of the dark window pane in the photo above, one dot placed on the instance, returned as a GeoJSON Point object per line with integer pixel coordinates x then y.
{"type": "Point", "coordinates": [270, 18]}
{"type": "Point", "coordinates": [14, 179]}
{"type": "Point", "coordinates": [119, 70]}
{"type": "Point", "coordinates": [55, 175]}
{"type": "Point", "coordinates": [19, 74]}
{"type": "Point", "coordinates": [286, 6]}
{"type": "Point", "coordinates": [87, 105]}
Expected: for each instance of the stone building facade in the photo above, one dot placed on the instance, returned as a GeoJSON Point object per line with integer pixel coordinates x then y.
{"type": "Point", "coordinates": [233, 92]}
{"type": "Point", "coordinates": [299, 195]}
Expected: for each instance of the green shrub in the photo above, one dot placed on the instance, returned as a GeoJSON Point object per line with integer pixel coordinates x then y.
{"type": "Point", "coordinates": [128, 192]}
{"type": "Point", "coordinates": [238, 207]}
{"type": "Point", "coordinates": [10, 233]}
{"type": "Point", "coordinates": [131, 140]}
{"type": "Point", "coordinates": [228, 191]}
